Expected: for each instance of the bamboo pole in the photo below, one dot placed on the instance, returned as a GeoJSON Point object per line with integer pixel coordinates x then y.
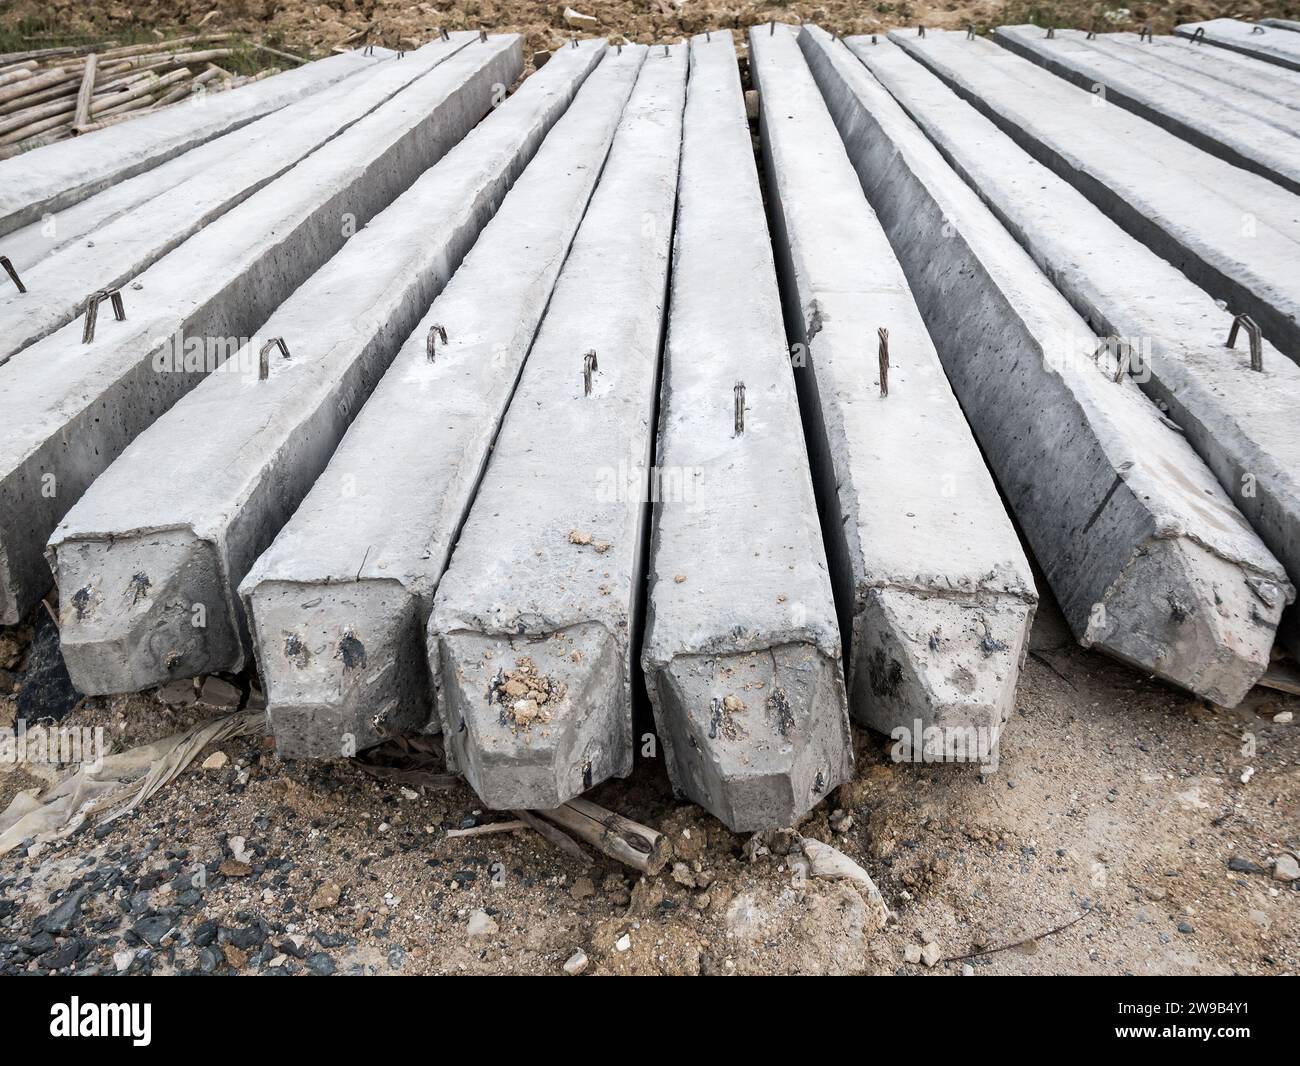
{"type": "Point", "coordinates": [620, 838]}
{"type": "Point", "coordinates": [82, 115]}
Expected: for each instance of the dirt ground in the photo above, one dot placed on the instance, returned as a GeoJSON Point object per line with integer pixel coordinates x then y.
{"type": "Point", "coordinates": [1117, 807]}
{"type": "Point", "coordinates": [310, 28]}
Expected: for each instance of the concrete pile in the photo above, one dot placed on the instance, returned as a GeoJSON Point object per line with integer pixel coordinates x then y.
{"type": "Point", "coordinates": [1235, 233]}
{"type": "Point", "coordinates": [742, 649]}
{"type": "Point", "coordinates": [1148, 558]}
{"type": "Point", "coordinates": [68, 408]}
{"type": "Point", "coordinates": [934, 591]}
{"type": "Point", "coordinates": [1237, 125]}
{"type": "Point", "coordinates": [1270, 44]}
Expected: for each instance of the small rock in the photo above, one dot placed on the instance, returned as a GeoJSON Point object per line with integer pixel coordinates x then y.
{"type": "Point", "coordinates": [582, 888]}
{"type": "Point", "coordinates": [218, 693]}
{"type": "Point", "coordinates": [912, 954]}
{"type": "Point", "coordinates": [1283, 717]}
{"type": "Point", "coordinates": [539, 59]}
{"type": "Point", "coordinates": [123, 959]}
{"type": "Point", "coordinates": [751, 104]}
{"type": "Point", "coordinates": [576, 963]}
{"type": "Point", "coordinates": [967, 970]}
{"type": "Point", "coordinates": [235, 958]}
{"type": "Point", "coordinates": [580, 21]}
{"type": "Point", "coordinates": [177, 693]}
{"type": "Point", "coordinates": [1286, 868]}
{"type": "Point", "coordinates": [1186, 928]}
{"type": "Point", "coordinates": [320, 964]}
{"type": "Point", "coordinates": [624, 943]}
{"type": "Point", "coordinates": [930, 954]}
{"type": "Point", "coordinates": [481, 924]}
{"type": "Point", "coordinates": [325, 897]}
{"type": "Point", "coordinates": [234, 868]}
{"type": "Point", "coordinates": [682, 875]}
{"type": "Point", "coordinates": [1245, 866]}
{"type": "Point", "coordinates": [216, 761]}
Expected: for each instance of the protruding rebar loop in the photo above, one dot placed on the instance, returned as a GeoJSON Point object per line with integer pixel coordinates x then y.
{"type": "Point", "coordinates": [442, 32]}
{"type": "Point", "coordinates": [1256, 340]}
{"type": "Point", "coordinates": [708, 37]}
{"type": "Point", "coordinates": [13, 274]}
{"type": "Point", "coordinates": [739, 391]}
{"type": "Point", "coordinates": [970, 32]}
{"type": "Point", "coordinates": [873, 39]}
{"type": "Point", "coordinates": [368, 50]}
{"type": "Point", "coordinates": [1144, 34]}
{"type": "Point", "coordinates": [920, 31]}
{"type": "Point", "coordinates": [114, 296]}
{"type": "Point", "coordinates": [1121, 350]}
{"type": "Point", "coordinates": [1253, 29]}
{"type": "Point", "coordinates": [665, 51]}
{"type": "Point", "coordinates": [589, 368]}
{"type": "Point", "coordinates": [264, 356]}
{"type": "Point", "coordinates": [1051, 33]}
{"type": "Point", "coordinates": [429, 347]}
{"type": "Point", "coordinates": [482, 36]}
{"type": "Point", "coordinates": [771, 28]}
{"type": "Point", "coordinates": [1092, 34]}
{"type": "Point", "coordinates": [1198, 37]}
{"type": "Point", "coordinates": [573, 41]}
{"type": "Point", "coordinates": [883, 353]}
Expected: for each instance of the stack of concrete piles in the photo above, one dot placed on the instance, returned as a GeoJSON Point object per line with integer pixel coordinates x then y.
{"type": "Point", "coordinates": [70, 404]}
{"type": "Point", "coordinates": [1148, 557]}
{"type": "Point", "coordinates": [1274, 43]}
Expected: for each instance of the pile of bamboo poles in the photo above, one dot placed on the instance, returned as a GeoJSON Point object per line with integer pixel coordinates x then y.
{"type": "Point", "coordinates": [54, 93]}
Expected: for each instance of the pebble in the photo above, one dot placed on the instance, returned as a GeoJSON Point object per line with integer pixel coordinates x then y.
{"type": "Point", "coordinates": [1283, 717]}
{"type": "Point", "coordinates": [1186, 928]}
{"type": "Point", "coordinates": [320, 964]}
{"type": "Point", "coordinates": [1286, 868]}
{"type": "Point", "coordinates": [582, 888]}
{"type": "Point", "coordinates": [576, 963]}
{"type": "Point", "coordinates": [912, 954]}
{"type": "Point", "coordinates": [123, 959]}
{"type": "Point", "coordinates": [967, 970]}
{"type": "Point", "coordinates": [930, 954]}
{"type": "Point", "coordinates": [481, 924]}
{"type": "Point", "coordinates": [218, 693]}
{"type": "Point", "coordinates": [624, 942]}
{"type": "Point", "coordinates": [216, 761]}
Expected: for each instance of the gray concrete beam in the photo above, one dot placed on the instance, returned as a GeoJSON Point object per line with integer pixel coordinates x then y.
{"type": "Point", "coordinates": [49, 179]}
{"type": "Point", "coordinates": [358, 564]}
{"type": "Point", "coordinates": [247, 160]}
{"type": "Point", "coordinates": [263, 437]}
{"type": "Point", "coordinates": [68, 409]}
{"type": "Point", "coordinates": [1271, 45]}
{"type": "Point", "coordinates": [1236, 126]}
{"type": "Point", "coordinates": [1148, 559]}
{"type": "Point", "coordinates": [1241, 422]}
{"type": "Point", "coordinates": [535, 622]}
{"type": "Point", "coordinates": [742, 648]}
{"type": "Point", "coordinates": [1281, 24]}
{"type": "Point", "coordinates": [1178, 57]}
{"type": "Point", "coordinates": [1236, 234]}
{"type": "Point", "coordinates": [935, 594]}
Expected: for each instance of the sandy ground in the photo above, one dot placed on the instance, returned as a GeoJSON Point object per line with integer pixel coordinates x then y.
{"type": "Point", "coordinates": [1118, 802]}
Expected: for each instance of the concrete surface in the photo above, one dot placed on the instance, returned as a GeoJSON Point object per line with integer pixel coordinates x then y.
{"type": "Point", "coordinates": [261, 440]}
{"type": "Point", "coordinates": [1234, 125]}
{"type": "Point", "coordinates": [1241, 422]}
{"type": "Point", "coordinates": [247, 160]}
{"type": "Point", "coordinates": [64, 416]}
{"type": "Point", "coordinates": [367, 547]}
{"type": "Point", "coordinates": [934, 592]}
{"type": "Point", "coordinates": [1234, 233]}
{"type": "Point", "coordinates": [1148, 559]}
{"type": "Point", "coordinates": [544, 593]}
{"type": "Point", "coordinates": [742, 649]}
{"type": "Point", "coordinates": [1269, 44]}
{"type": "Point", "coordinates": [1231, 68]}
{"type": "Point", "coordinates": [49, 179]}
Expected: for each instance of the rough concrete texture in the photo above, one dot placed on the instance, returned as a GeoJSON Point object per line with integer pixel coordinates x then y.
{"type": "Point", "coordinates": [245, 161]}
{"type": "Point", "coordinates": [1234, 233]}
{"type": "Point", "coordinates": [56, 176]}
{"type": "Point", "coordinates": [68, 409]}
{"type": "Point", "coordinates": [534, 624]}
{"type": "Point", "coordinates": [742, 649]}
{"type": "Point", "coordinates": [261, 442]}
{"type": "Point", "coordinates": [1148, 558]}
{"type": "Point", "coordinates": [382, 519]}
{"type": "Point", "coordinates": [1237, 126]}
{"type": "Point", "coordinates": [934, 592]}
{"type": "Point", "coordinates": [1241, 422]}
{"type": "Point", "coordinates": [1270, 44]}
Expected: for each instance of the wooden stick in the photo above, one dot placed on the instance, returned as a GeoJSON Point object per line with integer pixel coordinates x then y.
{"type": "Point", "coordinates": [620, 838]}
{"type": "Point", "coordinates": [484, 830]}
{"type": "Point", "coordinates": [8, 77]}
{"type": "Point", "coordinates": [42, 81]}
{"type": "Point", "coordinates": [277, 52]}
{"type": "Point", "coordinates": [554, 836]}
{"type": "Point", "coordinates": [82, 115]}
